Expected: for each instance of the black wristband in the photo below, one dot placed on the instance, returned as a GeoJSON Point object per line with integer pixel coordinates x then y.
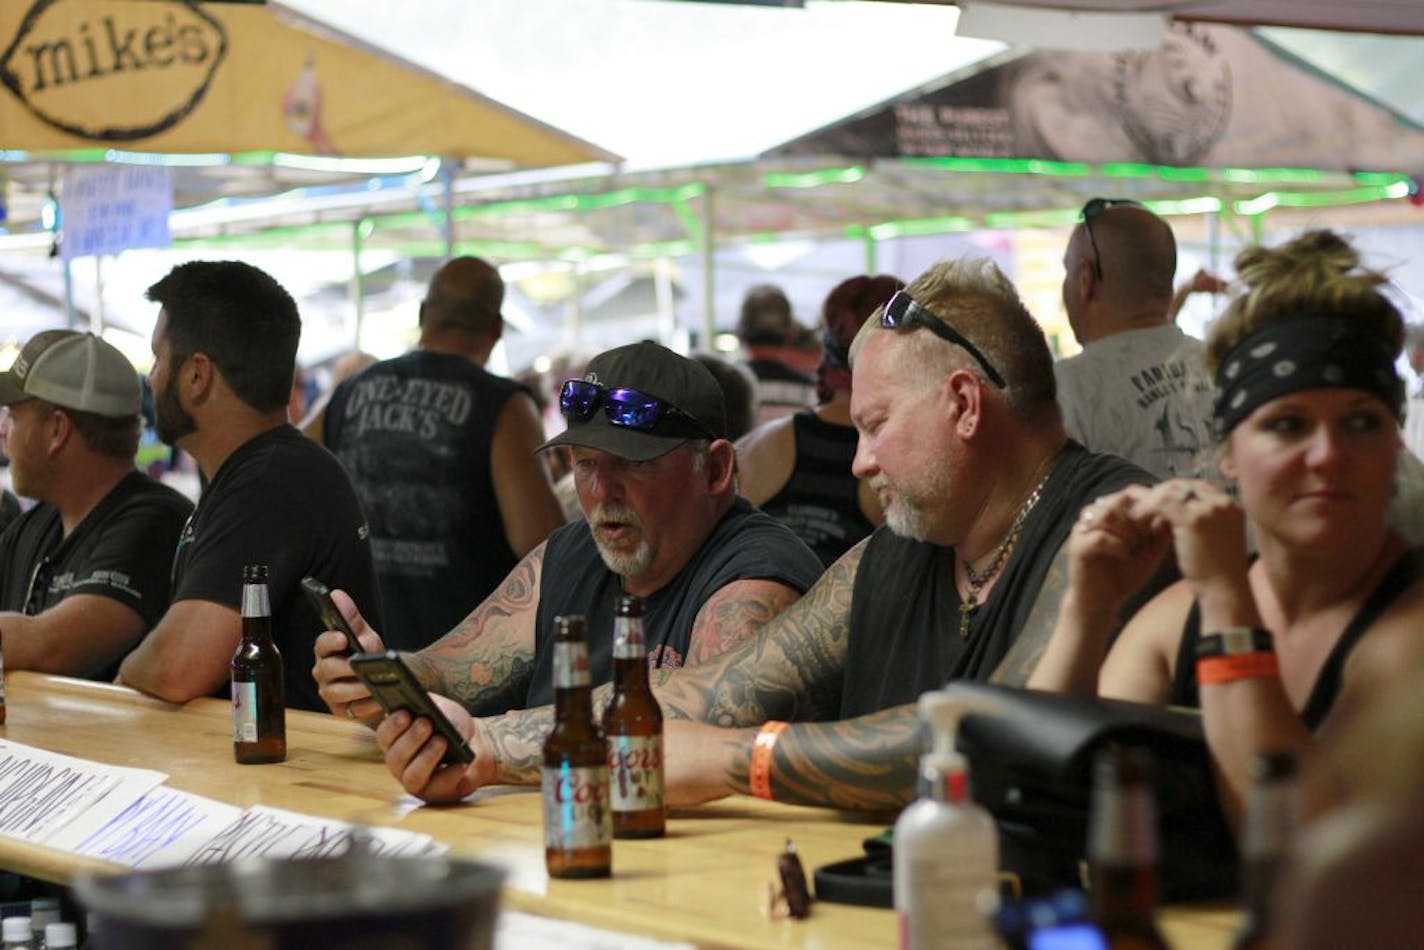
{"type": "Point", "coordinates": [1234, 641]}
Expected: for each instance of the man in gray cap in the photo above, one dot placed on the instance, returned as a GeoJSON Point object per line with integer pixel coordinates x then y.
{"type": "Point", "coordinates": [656, 481]}
{"type": "Point", "coordinates": [85, 573]}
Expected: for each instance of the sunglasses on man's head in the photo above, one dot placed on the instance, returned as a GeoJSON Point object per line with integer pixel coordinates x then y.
{"type": "Point", "coordinates": [902, 311]}
{"type": "Point", "coordinates": [1091, 210]}
{"type": "Point", "coordinates": [579, 399]}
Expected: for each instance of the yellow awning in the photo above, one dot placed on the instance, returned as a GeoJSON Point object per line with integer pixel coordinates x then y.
{"type": "Point", "coordinates": [176, 76]}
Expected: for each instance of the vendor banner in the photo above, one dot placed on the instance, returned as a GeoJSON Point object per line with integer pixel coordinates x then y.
{"type": "Point", "coordinates": [1210, 95]}
{"type": "Point", "coordinates": [180, 76]}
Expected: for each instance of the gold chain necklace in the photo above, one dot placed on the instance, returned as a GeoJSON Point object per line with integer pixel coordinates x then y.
{"type": "Point", "coordinates": [1001, 554]}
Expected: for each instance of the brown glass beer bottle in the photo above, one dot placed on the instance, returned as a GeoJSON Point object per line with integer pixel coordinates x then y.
{"type": "Point", "coordinates": [259, 721]}
{"type": "Point", "coordinates": [1270, 820]}
{"type": "Point", "coordinates": [578, 829]}
{"type": "Point", "coordinates": [633, 723]}
{"type": "Point", "coordinates": [1122, 850]}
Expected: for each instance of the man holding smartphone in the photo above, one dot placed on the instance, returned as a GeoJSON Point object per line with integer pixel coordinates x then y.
{"type": "Point", "coordinates": [656, 479]}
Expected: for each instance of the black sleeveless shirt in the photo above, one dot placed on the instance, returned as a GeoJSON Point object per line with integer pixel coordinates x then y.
{"type": "Point", "coordinates": [904, 614]}
{"type": "Point", "coordinates": [1327, 685]}
{"type": "Point", "coordinates": [819, 501]}
{"type": "Point", "coordinates": [414, 435]}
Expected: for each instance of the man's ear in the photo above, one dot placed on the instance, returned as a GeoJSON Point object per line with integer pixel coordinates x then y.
{"type": "Point", "coordinates": [1227, 463]}
{"type": "Point", "coordinates": [197, 378]}
{"type": "Point", "coordinates": [720, 467]}
{"type": "Point", "coordinates": [59, 429]}
{"type": "Point", "coordinates": [964, 393]}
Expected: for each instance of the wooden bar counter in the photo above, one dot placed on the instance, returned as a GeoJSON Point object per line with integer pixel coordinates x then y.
{"type": "Point", "coordinates": [704, 883]}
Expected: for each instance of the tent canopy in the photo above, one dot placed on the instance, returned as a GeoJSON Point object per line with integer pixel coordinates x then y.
{"type": "Point", "coordinates": [184, 77]}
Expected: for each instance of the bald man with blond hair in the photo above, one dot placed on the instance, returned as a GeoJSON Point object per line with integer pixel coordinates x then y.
{"type": "Point", "coordinates": [442, 453]}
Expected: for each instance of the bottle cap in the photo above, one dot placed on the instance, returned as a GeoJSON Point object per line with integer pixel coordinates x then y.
{"type": "Point", "coordinates": [60, 935]}
{"type": "Point", "coordinates": [15, 928]}
{"type": "Point", "coordinates": [254, 574]}
{"type": "Point", "coordinates": [628, 605]}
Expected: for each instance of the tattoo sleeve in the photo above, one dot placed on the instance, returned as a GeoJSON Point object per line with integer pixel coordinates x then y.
{"type": "Point", "coordinates": [1032, 640]}
{"type": "Point", "coordinates": [486, 661]}
{"type": "Point", "coordinates": [864, 764]}
{"type": "Point", "coordinates": [791, 669]}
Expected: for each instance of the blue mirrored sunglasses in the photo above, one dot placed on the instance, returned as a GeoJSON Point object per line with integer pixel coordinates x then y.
{"type": "Point", "coordinates": [579, 399]}
{"type": "Point", "coordinates": [903, 310]}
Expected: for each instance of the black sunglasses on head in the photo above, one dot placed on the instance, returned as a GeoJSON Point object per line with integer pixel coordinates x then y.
{"type": "Point", "coordinates": [903, 310]}
{"type": "Point", "coordinates": [628, 408]}
{"type": "Point", "coordinates": [1091, 210]}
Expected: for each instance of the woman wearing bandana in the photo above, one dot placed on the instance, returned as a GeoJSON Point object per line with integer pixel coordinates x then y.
{"type": "Point", "coordinates": [1308, 408]}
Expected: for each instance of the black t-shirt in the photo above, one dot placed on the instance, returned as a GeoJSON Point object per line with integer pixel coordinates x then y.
{"type": "Point", "coordinates": [745, 545]}
{"type": "Point", "coordinates": [122, 549]}
{"type": "Point", "coordinates": [821, 501]}
{"type": "Point", "coordinates": [904, 615]}
{"type": "Point", "coordinates": [414, 434]}
{"type": "Point", "coordinates": [284, 501]}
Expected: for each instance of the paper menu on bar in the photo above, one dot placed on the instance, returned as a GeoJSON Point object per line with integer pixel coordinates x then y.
{"type": "Point", "coordinates": [55, 800]}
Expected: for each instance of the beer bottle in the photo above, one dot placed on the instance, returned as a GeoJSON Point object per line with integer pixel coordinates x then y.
{"type": "Point", "coordinates": [578, 829]}
{"type": "Point", "coordinates": [259, 722]}
{"type": "Point", "coordinates": [1270, 815]}
{"type": "Point", "coordinates": [1122, 850]}
{"type": "Point", "coordinates": [633, 723]}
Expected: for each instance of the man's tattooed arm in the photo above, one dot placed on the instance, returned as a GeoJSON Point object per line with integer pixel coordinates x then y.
{"type": "Point", "coordinates": [485, 662]}
{"type": "Point", "coordinates": [791, 669]}
{"type": "Point", "coordinates": [1018, 664]}
{"type": "Point", "coordinates": [865, 764]}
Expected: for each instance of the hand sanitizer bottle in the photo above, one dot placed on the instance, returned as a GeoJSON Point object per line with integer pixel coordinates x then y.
{"type": "Point", "coordinates": [946, 847]}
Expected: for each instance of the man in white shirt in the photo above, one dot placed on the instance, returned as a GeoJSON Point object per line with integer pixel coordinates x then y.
{"type": "Point", "coordinates": [1136, 389]}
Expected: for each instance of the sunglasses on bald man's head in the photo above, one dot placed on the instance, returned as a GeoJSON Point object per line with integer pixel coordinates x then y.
{"type": "Point", "coordinates": [629, 408]}
{"type": "Point", "coordinates": [903, 311]}
{"type": "Point", "coordinates": [1091, 210]}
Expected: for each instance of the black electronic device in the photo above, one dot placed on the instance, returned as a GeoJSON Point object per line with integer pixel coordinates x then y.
{"type": "Point", "coordinates": [395, 687]}
{"type": "Point", "coordinates": [320, 596]}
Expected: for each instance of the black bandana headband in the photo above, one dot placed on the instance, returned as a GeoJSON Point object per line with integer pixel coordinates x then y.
{"type": "Point", "coordinates": [1314, 352]}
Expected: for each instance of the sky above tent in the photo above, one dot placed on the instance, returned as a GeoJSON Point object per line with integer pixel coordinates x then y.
{"type": "Point", "coordinates": [669, 83]}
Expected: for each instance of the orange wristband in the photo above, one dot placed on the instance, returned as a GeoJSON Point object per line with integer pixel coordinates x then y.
{"type": "Point", "coordinates": [759, 775]}
{"type": "Point", "coordinates": [1229, 668]}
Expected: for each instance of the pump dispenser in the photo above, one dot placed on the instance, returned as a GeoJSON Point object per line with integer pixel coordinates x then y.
{"type": "Point", "coordinates": [946, 846]}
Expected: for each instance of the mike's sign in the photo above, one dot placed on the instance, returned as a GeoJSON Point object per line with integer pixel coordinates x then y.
{"type": "Point", "coordinates": [148, 63]}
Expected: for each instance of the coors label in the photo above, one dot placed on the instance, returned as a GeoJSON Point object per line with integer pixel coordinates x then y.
{"type": "Point", "coordinates": [576, 813]}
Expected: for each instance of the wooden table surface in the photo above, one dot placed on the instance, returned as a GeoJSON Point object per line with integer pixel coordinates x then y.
{"type": "Point", "coordinates": [704, 882]}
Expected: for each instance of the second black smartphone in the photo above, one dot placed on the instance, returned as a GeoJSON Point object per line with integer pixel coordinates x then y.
{"type": "Point", "coordinates": [395, 687]}
{"type": "Point", "coordinates": [320, 596]}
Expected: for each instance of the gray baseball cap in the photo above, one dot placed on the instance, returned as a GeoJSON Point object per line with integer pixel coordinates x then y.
{"type": "Point", "coordinates": [73, 370]}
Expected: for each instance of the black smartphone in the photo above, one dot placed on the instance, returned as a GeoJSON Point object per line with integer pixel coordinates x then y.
{"type": "Point", "coordinates": [320, 596]}
{"type": "Point", "coordinates": [395, 687]}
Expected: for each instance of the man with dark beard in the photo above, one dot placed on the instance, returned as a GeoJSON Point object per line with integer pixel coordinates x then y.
{"type": "Point", "coordinates": [656, 480]}
{"type": "Point", "coordinates": [224, 350]}
{"type": "Point", "coordinates": [961, 437]}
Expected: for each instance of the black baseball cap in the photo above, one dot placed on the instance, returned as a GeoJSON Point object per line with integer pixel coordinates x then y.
{"type": "Point", "coordinates": [653, 370]}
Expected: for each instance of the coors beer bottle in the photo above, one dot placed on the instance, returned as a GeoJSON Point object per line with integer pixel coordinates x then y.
{"type": "Point", "coordinates": [1122, 850]}
{"type": "Point", "coordinates": [578, 830]}
{"type": "Point", "coordinates": [259, 723]}
{"type": "Point", "coordinates": [633, 723]}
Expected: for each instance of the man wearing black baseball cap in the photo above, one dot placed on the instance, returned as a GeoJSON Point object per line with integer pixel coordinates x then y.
{"type": "Point", "coordinates": [656, 479]}
{"type": "Point", "coordinates": [84, 573]}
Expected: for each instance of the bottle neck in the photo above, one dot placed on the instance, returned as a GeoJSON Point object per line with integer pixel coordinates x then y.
{"type": "Point", "coordinates": [573, 695]}
{"type": "Point", "coordinates": [1122, 851]}
{"type": "Point", "coordinates": [944, 782]}
{"type": "Point", "coordinates": [256, 613]}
